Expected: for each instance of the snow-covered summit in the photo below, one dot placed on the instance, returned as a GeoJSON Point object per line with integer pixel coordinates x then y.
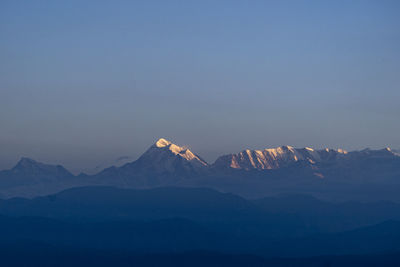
{"type": "Point", "coordinates": [165, 157]}
{"type": "Point", "coordinates": [162, 143]}
{"type": "Point", "coordinates": [165, 147]}
{"type": "Point", "coordinates": [274, 158]}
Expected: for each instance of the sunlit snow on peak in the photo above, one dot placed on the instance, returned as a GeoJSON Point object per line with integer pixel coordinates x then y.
{"type": "Point", "coordinates": [162, 143]}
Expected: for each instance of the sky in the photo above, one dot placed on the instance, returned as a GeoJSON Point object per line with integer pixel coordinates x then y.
{"type": "Point", "coordinates": [85, 82]}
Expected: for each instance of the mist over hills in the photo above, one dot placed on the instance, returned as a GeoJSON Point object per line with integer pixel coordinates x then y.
{"type": "Point", "coordinates": [332, 174]}
{"type": "Point", "coordinates": [181, 220]}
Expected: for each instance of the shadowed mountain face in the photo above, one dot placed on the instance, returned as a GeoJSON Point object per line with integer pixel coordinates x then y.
{"type": "Point", "coordinates": [327, 173]}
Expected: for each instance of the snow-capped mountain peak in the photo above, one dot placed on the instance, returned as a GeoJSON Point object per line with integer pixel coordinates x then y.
{"type": "Point", "coordinates": [181, 151]}
{"type": "Point", "coordinates": [162, 163]}
{"type": "Point", "coordinates": [165, 157]}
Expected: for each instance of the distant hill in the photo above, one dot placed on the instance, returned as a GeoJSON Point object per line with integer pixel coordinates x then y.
{"type": "Point", "coordinates": [180, 235]}
{"type": "Point", "coordinates": [290, 215]}
{"type": "Point", "coordinates": [28, 171]}
{"type": "Point", "coordinates": [182, 220]}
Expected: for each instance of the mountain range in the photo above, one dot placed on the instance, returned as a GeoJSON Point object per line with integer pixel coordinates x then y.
{"type": "Point", "coordinates": [334, 174]}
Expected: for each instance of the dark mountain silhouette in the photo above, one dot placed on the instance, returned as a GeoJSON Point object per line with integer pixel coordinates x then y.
{"type": "Point", "coordinates": [293, 215]}
{"type": "Point", "coordinates": [44, 255]}
{"type": "Point", "coordinates": [181, 235]}
{"type": "Point", "coordinates": [182, 220]}
{"type": "Point", "coordinates": [368, 240]}
{"type": "Point", "coordinates": [225, 212]}
{"type": "Point", "coordinates": [326, 216]}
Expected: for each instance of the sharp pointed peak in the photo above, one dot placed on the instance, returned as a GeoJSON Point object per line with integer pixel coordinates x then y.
{"type": "Point", "coordinates": [166, 147]}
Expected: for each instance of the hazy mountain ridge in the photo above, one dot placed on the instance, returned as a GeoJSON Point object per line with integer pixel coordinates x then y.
{"type": "Point", "coordinates": [118, 162]}
{"type": "Point", "coordinates": [32, 167]}
{"type": "Point", "coordinates": [180, 235]}
{"type": "Point", "coordinates": [282, 169]}
{"type": "Point", "coordinates": [186, 219]}
{"type": "Point", "coordinates": [30, 172]}
{"type": "Point", "coordinates": [299, 214]}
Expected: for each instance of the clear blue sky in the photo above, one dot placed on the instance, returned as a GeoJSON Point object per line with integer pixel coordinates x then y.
{"type": "Point", "coordinates": [82, 82]}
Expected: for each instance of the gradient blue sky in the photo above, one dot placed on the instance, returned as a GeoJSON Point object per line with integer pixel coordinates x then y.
{"type": "Point", "coordinates": [84, 82]}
